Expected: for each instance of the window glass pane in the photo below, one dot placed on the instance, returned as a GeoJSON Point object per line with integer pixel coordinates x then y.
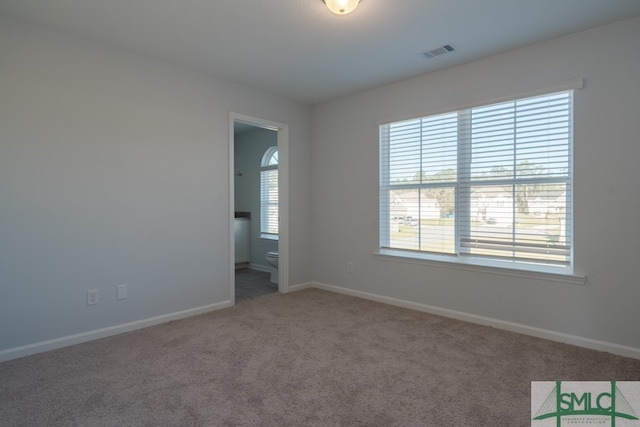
{"type": "Point", "coordinates": [273, 159]}
{"type": "Point", "coordinates": [403, 225]}
{"type": "Point", "coordinates": [437, 220]}
{"type": "Point", "coordinates": [540, 226]}
{"type": "Point", "coordinates": [492, 213]}
{"type": "Point", "coordinates": [525, 222]}
{"type": "Point", "coordinates": [418, 222]}
{"type": "Point", "coordinates": [270, 157]}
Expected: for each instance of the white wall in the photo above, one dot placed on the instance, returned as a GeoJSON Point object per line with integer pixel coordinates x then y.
{"type": "Point", "coordinates": [607, 198]}
{"type": "Point", "coordinates": [250, 147]}
{"type": "Point", "coordinates": [114, 169]}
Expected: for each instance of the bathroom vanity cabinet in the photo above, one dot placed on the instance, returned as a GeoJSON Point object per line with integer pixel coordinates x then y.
{"type": "Point", "coordinates": [242, 232]}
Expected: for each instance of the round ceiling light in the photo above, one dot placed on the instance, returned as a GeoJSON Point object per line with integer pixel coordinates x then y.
{"type": "Point", "coordinates": [341, 7]}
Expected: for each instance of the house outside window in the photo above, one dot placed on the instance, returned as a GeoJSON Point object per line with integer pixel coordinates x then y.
{"type": "Point", "coordinates": [488, 185]}
{"type": "Point", "coordinates": [269, 194]}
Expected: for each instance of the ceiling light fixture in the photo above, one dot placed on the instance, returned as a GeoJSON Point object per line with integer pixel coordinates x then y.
{"type": "Point", "coordinates": [341, 7]}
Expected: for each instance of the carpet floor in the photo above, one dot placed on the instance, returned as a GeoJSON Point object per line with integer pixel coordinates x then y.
{"type": "Point", "coordinates": [307, 358]}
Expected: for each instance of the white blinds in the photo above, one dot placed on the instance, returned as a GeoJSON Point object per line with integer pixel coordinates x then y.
{"type": "Point", "coordinates": [269, 201]}
{"type": "Point", "coordinates": [489, 182]}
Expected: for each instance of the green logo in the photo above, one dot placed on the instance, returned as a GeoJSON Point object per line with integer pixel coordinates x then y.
{"type": "Point", "coordinates": [584, 403]}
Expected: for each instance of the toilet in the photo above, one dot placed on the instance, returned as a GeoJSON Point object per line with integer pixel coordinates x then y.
{"type": "Point", "coordinates": [272, 259]}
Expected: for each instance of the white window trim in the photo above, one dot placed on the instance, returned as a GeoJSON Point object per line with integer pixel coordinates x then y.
{"type": "Point", "coordinates": [557, 87]}
{"type": "Point", "coordinates": [501, 267]}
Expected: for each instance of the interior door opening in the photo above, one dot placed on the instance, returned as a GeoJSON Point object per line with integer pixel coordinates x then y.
{"type": "Point", "coordinates": [258, 165]}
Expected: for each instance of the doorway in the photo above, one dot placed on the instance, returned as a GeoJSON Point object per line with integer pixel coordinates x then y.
{"type": "Point", "coordinates": [243, 122]}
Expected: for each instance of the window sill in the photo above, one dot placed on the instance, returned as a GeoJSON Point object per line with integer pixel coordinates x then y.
{"type": "Point", "coordinates": [549, 274]}
{"type": "Point", "coordinates": [269, 236]}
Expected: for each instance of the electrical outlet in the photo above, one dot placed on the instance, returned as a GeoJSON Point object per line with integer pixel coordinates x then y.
{"type": "Point", "coordinates": [92, 297]}
{"type": "Point", "coordinates": [349, 266]}
{"type": "Point", "coordinates": [121, 292]}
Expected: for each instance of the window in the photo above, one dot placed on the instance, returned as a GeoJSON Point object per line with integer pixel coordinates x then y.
{"type": "Point", "coordinates": [269, 193]}
{"type": "Point", "coordinates": [488, 185]}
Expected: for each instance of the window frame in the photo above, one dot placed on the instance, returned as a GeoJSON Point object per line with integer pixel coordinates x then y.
{"type": "Point", "coordinates": [268, 167]}
{"type": "Point", "coordinates": [477, 263]}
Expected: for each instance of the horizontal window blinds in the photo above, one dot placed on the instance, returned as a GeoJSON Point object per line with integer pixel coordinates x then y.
{"type": "Point", "coordinates": [489, 182]}
{"type": "Point", "coordinates": [269, 201]}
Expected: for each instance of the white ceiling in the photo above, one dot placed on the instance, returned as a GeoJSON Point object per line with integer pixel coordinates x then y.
{"type": "Point", "coordinates": [298, 49]}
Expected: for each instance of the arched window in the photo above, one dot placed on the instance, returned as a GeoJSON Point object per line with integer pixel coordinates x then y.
{"type": "Point", "coordinates": [269, 193]}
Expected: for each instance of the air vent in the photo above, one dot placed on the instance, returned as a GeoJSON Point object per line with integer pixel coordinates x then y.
{"type": "Point", "coordinates": [438, 51]}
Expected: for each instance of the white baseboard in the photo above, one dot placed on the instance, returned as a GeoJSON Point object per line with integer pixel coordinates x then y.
{"type": "Point", "coordinates": [259, 267]}
{"type": "Point", "coordinates": [301, 286]}
{"type": "Point", "coordinates": [488, 321]}
{"type": "Point", "coordinates": [39, 347]}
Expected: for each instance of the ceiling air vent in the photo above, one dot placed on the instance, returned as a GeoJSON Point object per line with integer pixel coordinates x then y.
{"type": "Point", "coordinates": [438, 51]}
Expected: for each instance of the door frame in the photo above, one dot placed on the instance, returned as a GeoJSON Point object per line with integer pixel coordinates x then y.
{"type": "Point", "coordinates": [282, 130]}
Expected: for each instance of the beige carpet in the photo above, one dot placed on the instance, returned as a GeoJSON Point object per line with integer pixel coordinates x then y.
{"type": "Point", "coordinates": [308, 358]}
